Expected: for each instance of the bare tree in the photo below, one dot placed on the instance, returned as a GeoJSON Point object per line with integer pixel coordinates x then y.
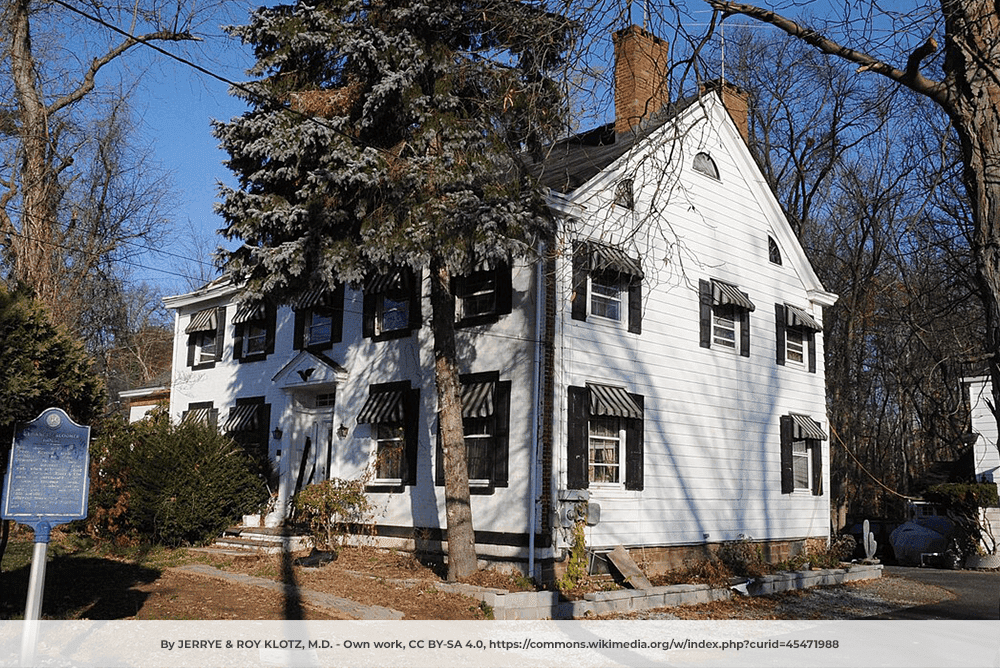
{"type": "Point", "coordinates": [965, 87]}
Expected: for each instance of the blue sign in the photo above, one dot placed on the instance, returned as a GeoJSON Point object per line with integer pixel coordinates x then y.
{"type": "Point", "coordinates": [47, 478]}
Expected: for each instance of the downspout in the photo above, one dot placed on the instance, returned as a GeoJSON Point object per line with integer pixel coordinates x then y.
{"type": "Point", "coordinates": [536, 407]}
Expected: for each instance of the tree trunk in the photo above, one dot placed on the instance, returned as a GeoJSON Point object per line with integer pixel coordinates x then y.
{"type": "Point", "coordinates": [462, 560]}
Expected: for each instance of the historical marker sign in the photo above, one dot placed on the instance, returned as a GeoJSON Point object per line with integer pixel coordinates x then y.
{"type": "Point", "coordinates": [47, 480]}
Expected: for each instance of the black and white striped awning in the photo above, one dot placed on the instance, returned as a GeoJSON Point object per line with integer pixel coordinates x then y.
{"type": "Point", "coordinates": [243, 418]}
{"type": "Point", "coordinates": [477, 399]}
{"type": "Point", "coordinates": [805, 428]}
{"type": "Point", "coordinates": [202, 321]}
{"type": "Point", "coordinates": [385, 282]}
{"type": "Point", "coordinates": [611, 401]}
{"type": "Point", "coordinates": [382, 407]}
{"type": "Point", "coordinates": [248, 312]}
{"type": "Point", "coordinates": [197, 415]}
{"type": "Point", "coordinates": [726, 293]}
{"type": "Point", "coordinates": [310, 299]}
{"type": "Point", "coordinates": [609, 258]}
{"type": "Point", "coordinates": [796, 317]}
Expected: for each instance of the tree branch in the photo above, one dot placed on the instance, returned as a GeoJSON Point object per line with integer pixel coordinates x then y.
{"type": "Point", "coordinates": [910, 77]}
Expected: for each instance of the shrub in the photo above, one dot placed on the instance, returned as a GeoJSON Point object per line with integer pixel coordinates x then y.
{"type": "Point", "coordinates": [170, 484]}
{"type": "Point", "coordinates": [331, 507]}
{"type": "Point", "coordinates": [743, 558]}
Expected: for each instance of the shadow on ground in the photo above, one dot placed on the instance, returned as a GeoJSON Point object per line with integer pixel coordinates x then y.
{"type": "Point", "coordinates": [79, 588]}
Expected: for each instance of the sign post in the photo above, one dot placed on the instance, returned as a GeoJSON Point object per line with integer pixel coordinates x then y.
{"type": "Point", "coordinates": [46, 484]}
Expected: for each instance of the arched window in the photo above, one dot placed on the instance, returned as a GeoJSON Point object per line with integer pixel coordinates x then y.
{"type": "Point", "coordinates": [773, 252]}
{"type": "Point", "coordinates": [703, 163]}
{"type": "Point", "coordinates": [624, 196]}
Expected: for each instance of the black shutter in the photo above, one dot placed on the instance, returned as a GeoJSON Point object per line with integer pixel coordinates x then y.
{"type": "Point", "coordinates": [220, 332]}
{"type": "Point", "coordinates": [581, 272]}
{"type": "Point", "coordinates": [504, 288]}
{"type": "Point", "coordinates": [705, 313]}
{"type": "Point", "coordinates": [745, 332]}
{"type": "Point", "coordinates": [337, 315]}
{"type": "Point", "coordinates": [577, 442]}
{"type": "Point", "coordinates": [416, 319]}
{"type": "Point", "coordinates": [779, 333]}
{"type": "Point", "coordinates": [438, 456]}
{"type": "Point", "coordinates": [635, 305]}
{"type": "Point", "coordinates": [501, 433]}
{"type": "Point", "coordinates": [787, 470]}
{"type": "Point", "coordinates": [458, 289]}
{"type": "Point", "coordinates": [634, 473]}
{"type": "Point", "coordinates": [411, 424]}
{"type": "Point", "coordinates": [238, 341]}
{"type": "Point", "coordinates": [368, 313]}
{"type": "Point", "coordinates": [811, 337]}
{"type": "Point", "coordinates": [270, 326]}
{"type": "Point", "coordinates": [817, 467]}
{"type": "Point", "coordinates": [192, 345]}
{"type": "Point", "coordinates": [300, 317]}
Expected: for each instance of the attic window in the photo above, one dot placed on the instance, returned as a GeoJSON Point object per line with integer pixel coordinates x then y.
{"type": "Point", "coordinates": [703, 163]}
{"type": "Point", "coordinates": [773, 252]}
{"type": "Point", "coordinates": [624, 195]}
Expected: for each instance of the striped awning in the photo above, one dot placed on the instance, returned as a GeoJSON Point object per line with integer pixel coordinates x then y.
{"type": "Point", "coordinates": [243, 418]}
{"type": "Point", "coordinates": [384, 282]}
{"type": "Point", "coordinates": [477, 399]}
{"type": "Point", "coordinates": [611, 401]}
{"type": "Point", "coordinates": [726, 293]}
{"type": "Point", "coordinates": [796, 317]}
{"type": "Point", "coordinates": [202, 321]}
{"type": "Point", "coordinates": [310, 299]}
{"type": "Point", "coordinates": [805, 428]}
{"type": "Point", "coordinates": [608, 258]}
{"type": "Point", "coordinates": [382, 407]}
{"type": "Point", "coordinates": [197, 415]}
{"type": "Point", "coordinates": [248, 312]}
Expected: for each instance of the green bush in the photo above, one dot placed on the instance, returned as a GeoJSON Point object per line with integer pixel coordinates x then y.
{"type": "Point", "coordinates": [170, 484]}
{"type": "Point", "coordinates": [331, 507]}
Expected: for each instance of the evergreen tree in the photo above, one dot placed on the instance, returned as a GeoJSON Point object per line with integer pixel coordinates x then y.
{"type": "Point", "coordinates": [384, 134]}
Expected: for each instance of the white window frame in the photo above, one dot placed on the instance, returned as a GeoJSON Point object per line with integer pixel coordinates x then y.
{"type": "Point", "coordinates": [487, 437]}
{"type": "Point", "coordinates": [798, 348]}
{"type": "Point", "coordinates": [619, 446]}
{"type": "Point", "coordinates": [394, 296]}
{"type": "Point", "coordinates": [611, 298]}
{"type": "Point", "coordinates": [200, 348]}
{"type": "Point", "coordinates": [380, 441]}
{"type": "Point", "coordinates": [725, 319]}
{"type": "Point", "coordinates": [254, 337]}
{"type": "Point", "coordinates": [802, 463]}
{"type": "Point", "coordinates": [316, 320]}
{"type": "Point", "coordinates": [481, 289]}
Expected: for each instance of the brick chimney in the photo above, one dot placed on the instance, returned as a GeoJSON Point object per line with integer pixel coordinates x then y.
{"type": "Point", "coordinates": [641, 62]}
{"type": "Point", "coordinates": [736, 101]}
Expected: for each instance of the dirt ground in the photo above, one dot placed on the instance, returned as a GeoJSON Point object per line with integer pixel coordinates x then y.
{"type": "Point", "coordinates": [103, 588]}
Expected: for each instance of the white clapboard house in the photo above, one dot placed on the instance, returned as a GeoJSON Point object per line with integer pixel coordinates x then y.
{"type": "Point", "coordinates": [985, 452]}
{"type": "Point", "coordinates": [656, 370]}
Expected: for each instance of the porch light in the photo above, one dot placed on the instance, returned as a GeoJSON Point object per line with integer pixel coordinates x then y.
{"type": "Point", "coordinates": [342, 430]}
{"type": "Point", "coordinates": [276, 434]}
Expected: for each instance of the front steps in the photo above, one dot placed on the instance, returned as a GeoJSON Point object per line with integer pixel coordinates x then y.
{"type": "Point", "coordinates": [268, 540]}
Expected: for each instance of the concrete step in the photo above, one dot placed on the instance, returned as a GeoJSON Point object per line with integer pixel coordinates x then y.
{"type": "Point", "coordinates": [262, 539]}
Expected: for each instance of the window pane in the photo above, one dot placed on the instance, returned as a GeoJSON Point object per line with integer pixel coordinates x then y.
{"type": "Point", "coordinates": [255, 338]}
{"type": "Point", "coordinates": [395, 313]}
{"type": "Point", "coordinates": [389, 455]}
{"type": "Point", "coordinates": [206, 347]}
{"type": "Point", "coordinates": [317, 329]}
{"type": "Point", "coordinates": [479, 447]}
{"type": "Point", "coordinates": [794, 346]}
{"type": "Point", "coordinates": [724, 326]}
{"type": "Point", "coordinates": [605, 296]}
{"type": "Point", "coordinates": [479, 295]}
{"type": "Point", "coordinates": [605, 445]}
{"type": "Point", "coordinates": [800, 464]}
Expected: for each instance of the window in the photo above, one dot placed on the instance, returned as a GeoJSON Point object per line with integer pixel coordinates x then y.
{"type": "Point", "coordinates": [392, 305]}
{"type": "Point", "coordinates": [254, 336]}
{"type": "Point", "coordinates": [624, 194]}
{"type": "Point", "coordinates": [773, 252]}
{"type": "Point", "coordinates": [392, 410]}
{"type": "Point", "coordinates": [795, 337]}
{"type": "Point", "coordinates": [607, 284]}
{"type": "Point", "coordinates": [486, 424]}
{"type": "Point", "coordinates": [704, 164]}
{"type": "Point", "coordinates": [725, 317]}
{"type": "Point", "coordinates": [605, 438]}
{"type": "Point", "coordinates": [483, 294]}
{"type": "Point", "coordinates": [319, 318]}
{"type": "Point", "coordinates": [205, 337]}
{"type": "Point", "coordinates": [201, 411]}
{"type": "Point", "coordinates": [801, 454]}
{"type": "Point", "coordinates": [249, 425]}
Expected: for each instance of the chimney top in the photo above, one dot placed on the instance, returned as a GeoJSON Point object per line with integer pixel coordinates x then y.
{"type": "Point", "coordinates": [735, 100]}
{"type": "Point", "coordinates": [641, 65]}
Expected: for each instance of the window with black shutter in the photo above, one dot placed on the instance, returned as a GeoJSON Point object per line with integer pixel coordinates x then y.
{"type": "Point", "coordinates": [392, 304]}
{"type": "Point", "coordinates": [605, 438]}
{"type": "Point", "coordinates": [801, 454]}
{"type": "Point", "coordinates": [607, 285]}
{"type": "Point", "coordinates": [206, 337]}
{"type": "Point", "coordinates": [483, 294]}
{"type": "Point", "coordinates": [393, 410]}
{"type": "Point", "coordinates": [254, 326]}
{"type": "Point", "coordinates": [724, 317]}
{"type": "Point", "coordinates": [795, 337]}
{"type": "Point", "coordinates": [319, 319]}
{"type": "Point", "coordinates": [486, 424]}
